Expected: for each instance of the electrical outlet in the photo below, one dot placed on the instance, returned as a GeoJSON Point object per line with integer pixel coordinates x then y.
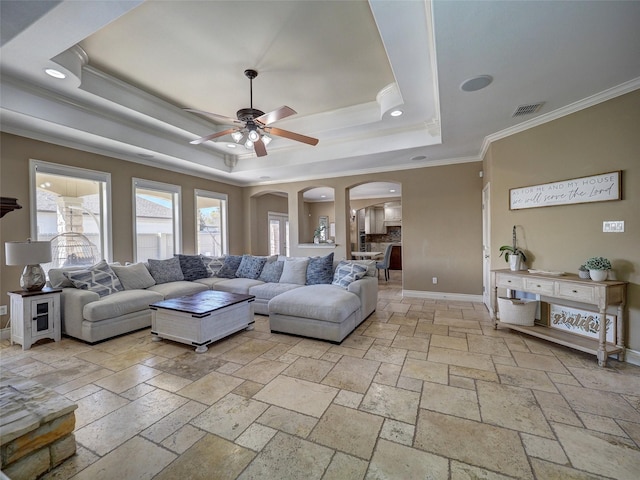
{"type": "Point", "coordinates": [616, 226]}
{"type": "Point", "coordinates": [434, 280]}
{"type": "Point", "coordinates": [3, 309]}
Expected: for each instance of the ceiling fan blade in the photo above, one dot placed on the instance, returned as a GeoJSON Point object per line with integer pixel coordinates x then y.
{"type": "Point", "coordinates": [216, 116]}
{"type": "Point", "coordinates": [274, 116]}
{"type": "Point", "coordinates": [292, 135]}
{"type": "Point", "coordinates": [212, 136]}
{"type": "Point", "coordinates": [260, 148]}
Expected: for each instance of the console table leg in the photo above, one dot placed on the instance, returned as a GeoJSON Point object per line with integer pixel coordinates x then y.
{"type": "Point", "coordinates": [602, 341]}
{"type": "Point", "coordinates": [201, 348]}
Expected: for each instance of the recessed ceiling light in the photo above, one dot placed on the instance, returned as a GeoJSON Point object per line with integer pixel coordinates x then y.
{"type": "Point", "coordinates": [476, 83]}
{"type": "Point", "coordinates": [419, 157]}
{"type": "Point", "coordinates": [231, 145]}
{"type": "Point", "coordinates": [396, 113]}
{"type": "Point", "coordinates": [392, 190]}
{"type": "Point", "coordinates": [323, 196]}
{"type": "Point", "coordinates": [52, 72]}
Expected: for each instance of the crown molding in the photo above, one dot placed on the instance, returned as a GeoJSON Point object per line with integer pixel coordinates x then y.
{"type": "Point", "coordinates": [574, 107]}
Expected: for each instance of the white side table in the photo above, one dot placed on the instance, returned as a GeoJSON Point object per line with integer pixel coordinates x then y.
{"type": "Point", "coordinates": [35, 315]}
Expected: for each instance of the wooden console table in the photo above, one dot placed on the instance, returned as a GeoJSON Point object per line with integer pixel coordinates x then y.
{"type": "Point", "coordinates": [569, 290]}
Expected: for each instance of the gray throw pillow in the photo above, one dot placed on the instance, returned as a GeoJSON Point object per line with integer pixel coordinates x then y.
{"type": "Point", "coordinates": [165, 271]}
{"type": "Point", "coordinates": [295, 271]}
{"type": "Point", "coordinates": [134, 276]}
{"type": "Point", "coordinates": [271, 272]}
{"type": "Point", "coordinates": [320, 270]}
{"type": "Point", "coordinates": [230, 266]}
{"type": "Point", "coordinates": [99, 278]}
{"type": "Point", "coordinates": [250, 267]}
{"type": "Point", "coordinates": [192, 267]}
{"type": "Point", "coordinates": [348, 272]}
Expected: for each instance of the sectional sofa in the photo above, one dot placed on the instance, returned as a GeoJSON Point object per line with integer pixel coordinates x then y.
{"type": "Point", "coordinates": [309, 296]}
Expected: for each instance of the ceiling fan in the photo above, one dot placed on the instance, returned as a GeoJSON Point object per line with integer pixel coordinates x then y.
{"type": "Point", "coordinates": [254, 125]}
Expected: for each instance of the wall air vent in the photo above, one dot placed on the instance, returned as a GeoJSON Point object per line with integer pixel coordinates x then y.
{"type": "Point", "coordinates": [527, 109]}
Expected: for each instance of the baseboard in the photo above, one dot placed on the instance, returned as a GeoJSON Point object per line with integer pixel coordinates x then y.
{"type": "Point", "coordinates": [458, 297]}
{"type": "Point", "coordinates": [632, 356]}
{"type": "Point", "coordinates": [5, 333]}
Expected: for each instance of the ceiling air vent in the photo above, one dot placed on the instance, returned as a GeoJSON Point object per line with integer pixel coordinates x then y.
{"type": "Point", "coordinates": [527, 109]}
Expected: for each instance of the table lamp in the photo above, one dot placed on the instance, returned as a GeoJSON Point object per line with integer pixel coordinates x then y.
{"type": "Point", "coordinates": [31, 254]}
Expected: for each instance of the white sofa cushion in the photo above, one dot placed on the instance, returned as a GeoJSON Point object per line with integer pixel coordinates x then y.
{"type": "Point", "coordinates": [237, 285]}
{"type": "Point", "coordinates": [178, 289]}
{"type": "Point", "coordinates": [322, 302]}
{"type": "Point", "coordinates": [120, 303]}
{"type": "Point", "coordinates": [267, 291]}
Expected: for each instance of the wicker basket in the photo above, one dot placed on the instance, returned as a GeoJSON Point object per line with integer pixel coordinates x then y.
{"type": "Point", "coordinates": [517, 311]}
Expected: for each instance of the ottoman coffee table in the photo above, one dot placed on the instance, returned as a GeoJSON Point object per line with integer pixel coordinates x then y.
{"type": "Point", "coordinates": [201, 318]}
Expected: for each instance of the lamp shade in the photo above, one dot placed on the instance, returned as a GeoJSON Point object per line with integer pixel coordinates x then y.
{"type": "Point", "coordinates": [27, 253]}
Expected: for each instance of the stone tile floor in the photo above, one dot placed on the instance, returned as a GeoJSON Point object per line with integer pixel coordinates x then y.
{"type": "Point", "coordinates": [422, 389]}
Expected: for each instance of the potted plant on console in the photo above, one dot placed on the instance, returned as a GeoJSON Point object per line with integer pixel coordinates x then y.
{"type": "Point", "coordinates": [598, 268]}
{"type": "Point", "coordinates": [513, 255]}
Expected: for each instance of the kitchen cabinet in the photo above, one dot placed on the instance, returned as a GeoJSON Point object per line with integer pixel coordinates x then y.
{"type": "Point", "coordinates": [374, 220]}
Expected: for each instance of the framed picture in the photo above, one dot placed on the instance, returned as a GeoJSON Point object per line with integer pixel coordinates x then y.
{"type": "Point", "coordinates": [596, 188]}
{"type": "Point", "coordinates": [324, 222]}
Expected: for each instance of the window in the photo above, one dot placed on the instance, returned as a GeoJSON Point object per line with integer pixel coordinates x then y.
{"type": "Point", "coordinates": [211, 223]}
{"type": "Point", "coordinates": [278, 234]}
{"type": "Point", "coordinates": [71, 208]}
{"type": "Point", "coordinates": [156, 219]}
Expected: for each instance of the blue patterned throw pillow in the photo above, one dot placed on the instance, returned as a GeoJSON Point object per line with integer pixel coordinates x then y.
{"type": "Point", "coordinates": [192, 267]}
{"type": "Point", "coordinates": [99, 279]}
{"type": "Point", "coordinates": [165, 271]}
{"type": "Point", "coordinates": [320, 270]}
{"type": "Point", "coordinates": [229, 266]}
{"type": "Point", "coordinates": [250, 267]}
{"type": "Point", "coordinates": [348, 272]}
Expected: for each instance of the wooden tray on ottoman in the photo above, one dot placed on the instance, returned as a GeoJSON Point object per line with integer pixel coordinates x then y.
{"type": "Point", "coordinates": [202, 318]}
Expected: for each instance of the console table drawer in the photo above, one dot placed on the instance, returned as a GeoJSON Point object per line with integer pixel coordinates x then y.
{"type": "Point", "coordinates": [509, 281]}
{"type": "Point", "coordinates": [579, 293]}
{"type": "Point", "coordinates": [539, 286]}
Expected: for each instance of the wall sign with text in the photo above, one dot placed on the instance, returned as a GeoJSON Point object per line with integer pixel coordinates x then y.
{"type": "Point", "coordinates": [596, 188]}
{"type": "Point", "coordinates": [581, 322]}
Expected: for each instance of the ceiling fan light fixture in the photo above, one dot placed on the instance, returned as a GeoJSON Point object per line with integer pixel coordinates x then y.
{"type": "Point", "coordinates": [237, 136]}
{"type": "Point", "coordinates": [248, 145]}
{"type": "Point", "coordinates": [254, 135]}
{"type": "Point", "coordinates": [266, 139]}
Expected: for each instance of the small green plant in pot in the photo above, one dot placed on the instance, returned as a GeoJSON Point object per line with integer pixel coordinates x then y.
{"type": "Point", "coordinates": [512, 254]}
{"type": "Point", "coordinates": [317, 234]}
{"type": "Point", "coordinates": [598, 268]}
{"type": "Point", "coordinates": [583, 272]}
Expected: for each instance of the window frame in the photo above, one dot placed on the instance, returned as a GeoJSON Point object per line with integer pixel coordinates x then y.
{"type": "Point", "coordinates": [224, 217]}
{"type": "Point", "coordinates": [106, 230]}
{"type": "Point", "coordinates": [176, 192]}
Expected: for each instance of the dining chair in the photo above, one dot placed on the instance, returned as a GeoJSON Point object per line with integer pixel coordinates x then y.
{"type": "Point", "coordinates": [384, 264]}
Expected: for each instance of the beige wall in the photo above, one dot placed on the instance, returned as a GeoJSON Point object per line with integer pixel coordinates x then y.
{"type": "Point", "coordinates": [599, 139]}
{"type": "Point", "coordinates": [441, 223]}
{"type": "Point", "coordinates": [14, 172]}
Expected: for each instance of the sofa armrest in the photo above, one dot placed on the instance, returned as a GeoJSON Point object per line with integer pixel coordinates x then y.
{"type": "Point", "coordinates": [72, 302]}
{"type": "Point", "coordinates": [367, 290]}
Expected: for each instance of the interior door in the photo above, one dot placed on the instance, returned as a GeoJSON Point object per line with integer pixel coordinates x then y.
{"type": "Point", "coordinates": [486, 249]}
{"type": "Point", "coordinates": [278, 234]}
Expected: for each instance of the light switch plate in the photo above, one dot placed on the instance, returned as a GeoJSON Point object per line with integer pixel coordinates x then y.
{"type": "Point", "coordinates": [615, 226]}
{"type": "Point", "coordinates": [3, 309]}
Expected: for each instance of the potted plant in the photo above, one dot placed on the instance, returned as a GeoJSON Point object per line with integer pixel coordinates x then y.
{"type": "Point", "coordinates": [598, 268]}
{"type": "Point", "coordinates": [583, 272]}
{"type": "Point", "coordinates": [512, 254]}
{"type": "Point", "coordinates": [317, 234]}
